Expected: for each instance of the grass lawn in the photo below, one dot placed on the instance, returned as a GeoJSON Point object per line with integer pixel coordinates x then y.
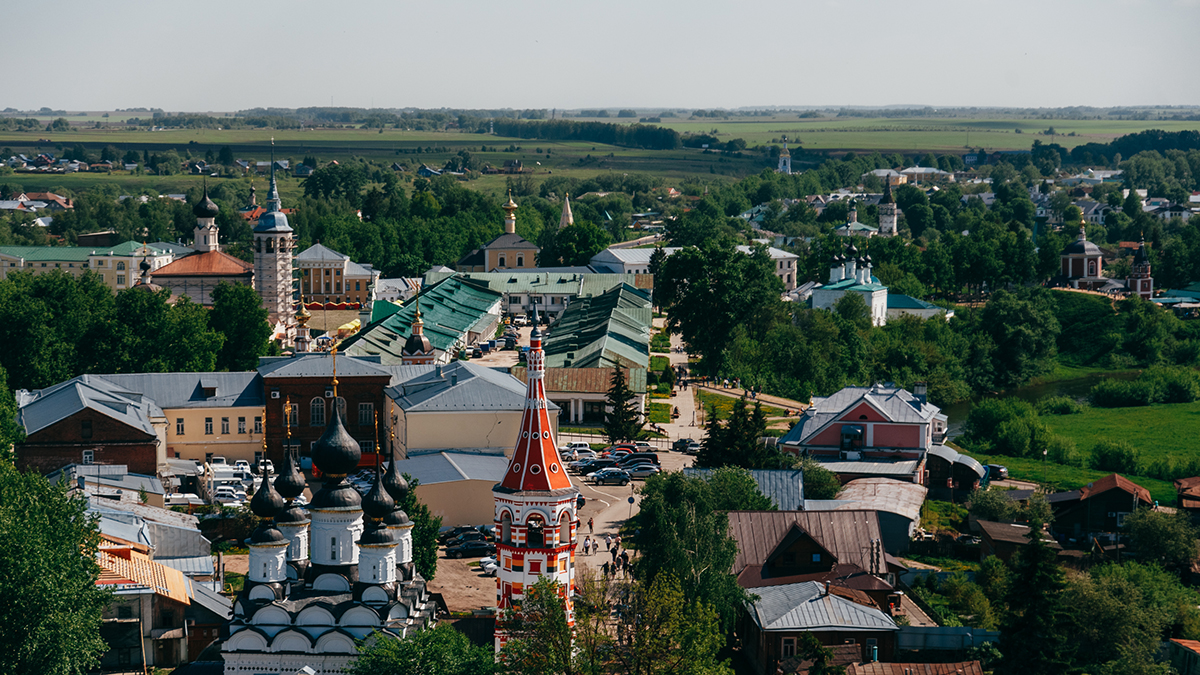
{"type": "Point", "coordinates": [946, 564]}
{"type": "Point", "coordinates": [659, 363]}
{"type": "Point", "coordinates": [937, 516]}
{"type": "Point", "coordinates": [660, 341]}
{"type": "Point", "coordinates": [1158, 431]}
{"type": "Point", "coordinates": [234, 583]}
{"type": "Point", "coordinates": [1060, 477]}
{"type": "Point", "coordinates": [725, 406]}
{"type": "Point", "coordinates": [659, 413]}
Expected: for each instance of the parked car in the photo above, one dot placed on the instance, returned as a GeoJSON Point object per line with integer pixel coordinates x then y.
{"type": "Point", "coordinates": [693, 448]}
{"type": "Point", "coordinates": [638, 458]}
{"type": "Point", "coordinates": [610, 476]}
{"type": "Point", "coordinates": [473, 535]}
{"type": "Point", "coordinates": [643, 446]}
{"type": "Point", "coordinates": [241, 464]}
{"type": "Point", "coordinates": [681, 444]}
{"type": "Point", "coordinates": [997, 472]}
{"type": "Point", "coordinates": [574, 445]}
{"type": "Point", "coordinates": [470, 549]}
{"type": "Point", "coordinates": [218, 461]}
{"type": "Point", "coordinates": [448, 533]}
{"type": "Point", "coordinates": [490, 569]}
{"type": "Point", "coordinates": [642, 471]}
{"type": "Point", "coordinates": [476, 353]}
{"type": "Point", "coordinates": [591, 465]}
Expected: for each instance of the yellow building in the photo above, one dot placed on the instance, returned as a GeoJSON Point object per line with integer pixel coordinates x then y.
{"type": "Point", "coordinates": [117, 265]}
{"type": "Point", "coordinates": [509, 251]}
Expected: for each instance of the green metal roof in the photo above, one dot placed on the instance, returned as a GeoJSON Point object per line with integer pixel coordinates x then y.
{"type": "Point", "coordinates": [896, 301]}
{"type": "Point", "coordinates": [610, 329]}
{"type": "Point", "coordinates": [76, 253]}
{"type": "Point", "coordinates": [544, 283]}
{"type": "Point", "coordinates": [449, 309]}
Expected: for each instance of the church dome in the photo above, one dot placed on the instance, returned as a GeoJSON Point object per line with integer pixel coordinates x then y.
{"type": "Point", "coordinates": [417, 344]}
{"type": "Point", "coordinates": [394, 483]}
{"type": "Point", "coordinates": [397, 517]}
{"type": "Point", "coordinates": [1081, 246]}
{"type": "Point", "coordinates": [378, 503]}
{"type": "Point", "coordinates": [290, 483]}
{"type": "Point", "coordinates": [336, 452]}
{"type": "Point", "coordinates": [205, 208]}
{"type": "Point", "coordinates": [266, 503]}
{"type": "Point", "coordinates": [144, 266]}
{"type": "Point", "coordinates": [340, 496]}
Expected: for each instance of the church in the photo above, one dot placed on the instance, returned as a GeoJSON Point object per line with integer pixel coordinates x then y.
{"type": "Point", "coordinates": [1082, 265]}
{"type": "Point", "coordinates": [322, 578]}
{"type": "Point", "coordinates": [851, 273]}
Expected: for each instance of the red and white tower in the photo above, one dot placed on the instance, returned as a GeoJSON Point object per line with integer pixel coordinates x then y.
{"type": "Point", "coordinates": [535, 505]}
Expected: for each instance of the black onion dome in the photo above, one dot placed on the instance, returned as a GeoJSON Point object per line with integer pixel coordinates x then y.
{"type": "Point", "coordinates": [145, 266]}
{"type": "Point", "coordinates": [867, 259]}
{"type": "Point", "coordinates": [1141, 257]}
{"type": "Point", "coordinates": [340, 496]}
{"type": "Point", "coordinates": [376, 535]}
{"type": "Point", "coordinates": [852, 251]}
{"type": "Point", "coordinates": [393, 481]}
{"type": "Point", "coordinates": [378, 503]}
{"type": "Point", "coordinates": [417, 344]}
{"type": "Point", "coordinates": [295, 514]}
{"type": "Point", "coordinates": [267, 534]}
{"type": "Point", "coordinates": [205, 208]}
{"type": "Point", "coordinates": [290, 483]}
{"type": "Point", "coordinates": [397, 517]}
{"type": "Point", "coordinates": [336, 452]}
{"type": "Point", "coordinates": [266, 503]}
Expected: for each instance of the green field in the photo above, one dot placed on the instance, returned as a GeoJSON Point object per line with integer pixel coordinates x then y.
{"type": "Point", "coordinates": [1157, 431]}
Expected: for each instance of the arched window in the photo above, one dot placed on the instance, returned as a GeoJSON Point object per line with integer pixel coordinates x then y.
{"type": "Point", "coordinates": [564, 528]}
{"type": "Point", "coordinates": [501, 263]}
{"type": "Point", "coordinates": [506, 527]}
{"type": "Point", "coordinates": [120, 266]}
{"type": "Point", "coordinates": [1091, 268]}
{"type": "Point", "coordinates": [536, 528]}
{"type": "Point", "coordinates": [316, 412]}
{"type": "Point", "coordinates": [520, 261]}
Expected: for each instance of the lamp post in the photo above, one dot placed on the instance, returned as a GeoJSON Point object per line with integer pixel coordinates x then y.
{"type": "Point", "coordinates": [1044, 452]}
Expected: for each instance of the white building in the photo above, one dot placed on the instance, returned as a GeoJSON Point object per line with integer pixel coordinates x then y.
{"type": "Point", "coordinates": [852, 274]}
{"type": "Point", "coordinates": [637, 261]}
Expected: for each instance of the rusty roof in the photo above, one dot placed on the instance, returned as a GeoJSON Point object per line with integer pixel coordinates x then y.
{"type": "Point", "coordinates": [1012, 533]}
{"type": "Point", "coordinates": [847, 534]}
{"type": "Point", "coordinates": [207, 264]}
{"type": "Point", "coordinates": [1190, 645]}
{"type": "Point", "coordinates": [847, 577]}
{"type": "Point", "coordinates": [586, 380]}
{"type": "Point", "coordinates": [138, 571]}
{"type": "Point", "coordinates": [1111, 481]}
{"type": "Point", "coordinates": [962, 667]}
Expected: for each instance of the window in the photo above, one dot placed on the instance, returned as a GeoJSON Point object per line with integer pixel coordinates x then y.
{"type": "Point", "coordinates": [535, 566]}
{"type": "Point", "coordinates": [89, 456]}
{"type": "Point", "coordinates": [816, 557]}
{"type": "Point", "coordinates": [366, 446]}
{"type": "Point", "coordinates": [178, 426]}
{"type": "Point", "coordinates": [294, 415]}
{"type": "Point", "coordinates": [258, 458]}
{"type": "Point", "coordinates": [520, 261]}
{"type": "Point", "coordinates": [120, 279]}
{"type": "Point", "coordinates": [241, 425]}
{"type": "Point", "coordinates": [224, 426]}
{"type": "Point", "coordinates": [501, 263]}
{"type": "Point", "coordinates": [85, 428]}
{"type": "Point", "coordinates": [366, 414]}
{"type": "Point", "coordinates": [208, 458]}
{"type": "Point", "coordinates": [358, 285]}
{"type": "Point", "coordinates": [333, 551]}
{"type": "Point", "coordinates": [788, 649]}
{"type": "Point", "coordinates": [124, 612]}
{"type": "Point", "coordinates": [316, 412]}
{"type": "Point", "coordinates": [208, 426]}
{"type": "Point", "coordinates": [258, 425]}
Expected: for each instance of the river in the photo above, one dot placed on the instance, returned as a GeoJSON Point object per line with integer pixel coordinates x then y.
{"type": "Point", "coordinates": [1076, 388]}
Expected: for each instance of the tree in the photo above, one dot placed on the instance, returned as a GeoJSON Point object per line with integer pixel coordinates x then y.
{"type": "Point", "coordinates": [660, 632]}
{"type": "Point", "coordinates": [622, 421]}
{"type": "Point", "coordinates": [1168, 539]}
{"type": "Point", "coordinates": [442, 650]}
{"type": "Point", "coordinates": [425, 531]}
{"type": "Point", "coordinates": [1035, 635]}
{"type": "Point", "coordinates": [810, 649]}
{"type": "Point", "coordinates": [819, 482]}
{"type": "Point", "coordinates": [540, 641]}
{"type": "Point", "coordinates": [238, 314]}
{"type": "Point", "coordinates": [11, 432]}
{"type": "Point", "coordinates": [738, 442]}
{"type": "Point", "coordinates": [992, 504]}
{"type": "Point", "coordinates": [50, 605]}
{"type": "Point", "coordinates": [225, 156]}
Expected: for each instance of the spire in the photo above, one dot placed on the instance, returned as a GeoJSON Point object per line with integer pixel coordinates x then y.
{"type": "Point", "coordinates": [535, 463]}
{"type": "Point", "coordinates": [887, 192]}
{"type": "Point", "coordinates": [273, 199]}
{"type": "Point", "coordinates": [510, 219]}
{"type": "Point", "coordinates": [567, 217]}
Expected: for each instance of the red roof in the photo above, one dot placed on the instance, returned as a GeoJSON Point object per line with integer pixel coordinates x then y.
{"type": "Point", "coordinates": [1190, 645]}
{"type": "Point", "coordinates": [1115, 480]}
{"type": "Point", "coordinates": [963, 667]}
{"type": "Point", "coordinates": [535, 464]}
{"type": "Point", "coordinates": [207, 264]}
{"type": "Point", "coordinates": [256, 212]}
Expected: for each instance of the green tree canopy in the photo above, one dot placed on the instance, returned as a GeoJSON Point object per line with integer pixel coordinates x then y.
{"type": "Point", "coordinates": [238, 314]}
{"type": "Point", "coordinates": [441, 650]}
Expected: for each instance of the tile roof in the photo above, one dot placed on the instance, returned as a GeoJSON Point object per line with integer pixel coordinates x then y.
{"type": "Point", "coordinates": [44, 407]}
{"type": "Point", "coordinates": [1115, 481]}
{"type": "Point", "coordinates": [885, 494]}
{"type": "Point", "coordinates": [784, 486]}
{"type": "Point", "coordinates": [847, 534]}
{"type": "Point", "coordinates": [161, 579]}
{"type": "Point", "coordinates": [807, 607]}
{"type": "Point", "coordinates": [209, 263]}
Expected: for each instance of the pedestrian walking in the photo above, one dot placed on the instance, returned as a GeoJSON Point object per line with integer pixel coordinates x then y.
{"type": "Point", "coordinates": [590, 522]}
{"type": "Point", "coordinates": [614, 555]}
{"type": "Point", "coordinates": [624, 559]}
{"type": "Point", "coordinates": [617, 541]}
{"type": "Point", "coordinates": [604, 569]}
{"type": "Point", "coordinates": [608, 542]}
{"type": "Point", "coordinates": [587, 546]}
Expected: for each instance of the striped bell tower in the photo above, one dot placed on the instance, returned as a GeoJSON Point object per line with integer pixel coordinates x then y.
{"type": "Point", "coordinates": [535, 505]}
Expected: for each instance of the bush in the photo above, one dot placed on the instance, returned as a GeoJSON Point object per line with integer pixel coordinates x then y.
{"type": "Point", "coordinates": [1157, 385]}
{"type": "Point", "coordinates": [1059, 405]}
{"type": "Point", "coordinates": [1122, 394]}
{"type": "Point", "coordinates": [1117, 457]}
{"type": "Point", "coordinates": [1174, 385]}
{"type": "Point", "coordinates": [1062, 450]}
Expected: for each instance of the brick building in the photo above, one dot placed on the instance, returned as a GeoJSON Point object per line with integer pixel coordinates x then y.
{"type": "Point", "coordinates": [88, 420]}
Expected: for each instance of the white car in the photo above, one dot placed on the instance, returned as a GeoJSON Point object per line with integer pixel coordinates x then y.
{"type": "Point", "coordinates": [241, 464]}
{"type": "Point", "coordinates": [218, 461]}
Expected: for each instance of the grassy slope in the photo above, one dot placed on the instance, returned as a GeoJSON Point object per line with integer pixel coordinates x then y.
{"type": "Point", "coordinates": [1158, 431]}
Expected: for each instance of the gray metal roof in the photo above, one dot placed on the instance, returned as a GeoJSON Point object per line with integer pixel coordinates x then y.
{"type": "Point", "coordinates": [806, 607]}
{"type": "Point", "coordinates": [320, 253]}
{"type": "Point", "coordinates": [211, 600]}
{"type": "Point", "coordinates": [446, 467]}
{"type": "Point", "coordinates": [45, 407]}
{"type": "Point", "coordinates": [460, 386]}
{"type": "Point", "coordinates": [785, 487]}
{"type": "Point", "coordinates": [192, 566]}
{"type": "Point", "coordinates": [320, 365]}
{"type": "Point", "coordinates": [885, 494]}
{"type": "Point", "coordinates": [186, 390]}
{"type": "Point", "coordinates": [894, 403]}
{"type": "Point", "coordinates": [887, 467]}
{"type": "Point", "coordinates": [108, 475]}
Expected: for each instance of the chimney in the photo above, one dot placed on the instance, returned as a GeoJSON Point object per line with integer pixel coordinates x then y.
{"type": "Point", "coordinates": [437, 370]}
{"type": "Point", "coordinates": [919, 390]}
{"type": "Point", "coordinates": [826, 589]}
{"type": "Point", "coordinates": [453, 379]}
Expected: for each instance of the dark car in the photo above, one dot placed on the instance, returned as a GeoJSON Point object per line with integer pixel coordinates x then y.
{"type": "Point", "coordinates": [997, 472]}
{"type": "Point", "coordinates": [470, 549]}
{"type": "Point", "coordinates": [681, 444]}
{"type": "Point", "coordinates": [452, 532]}
{"type": "Point", "coordinates": [610, 476]}
{"type": "Point", "coordinates": [638, 458]}
{"type": "Point", "coordinates": [473, 535]}
{"type": "Point", "coordinates": [584, 468]}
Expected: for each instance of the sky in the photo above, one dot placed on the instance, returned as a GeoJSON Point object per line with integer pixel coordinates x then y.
{"type": "Point", "coordinates": [222, 55]}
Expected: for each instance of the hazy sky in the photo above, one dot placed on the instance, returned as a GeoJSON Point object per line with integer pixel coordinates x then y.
{"type": "Point", "coordinates": [219, 55]}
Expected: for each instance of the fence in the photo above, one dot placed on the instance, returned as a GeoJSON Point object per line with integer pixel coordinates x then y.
{"type": "Point", "coordinates": [949, 638]}
{"type": "Point", "coordinates": [571, 437]}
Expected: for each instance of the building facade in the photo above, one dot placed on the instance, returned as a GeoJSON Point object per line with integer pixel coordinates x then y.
{"type": "Point", "coordinates": [329, 276]}
{"type": "Point", "coordinates": [273, 244]}
{"type": "Point", "coordinates": [506, 252]}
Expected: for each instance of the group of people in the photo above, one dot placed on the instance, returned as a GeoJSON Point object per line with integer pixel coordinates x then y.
{"type": "Point", "coordinates": [620, 557]}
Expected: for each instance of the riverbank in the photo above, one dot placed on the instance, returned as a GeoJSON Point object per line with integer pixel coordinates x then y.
{"type": "Point", "coordinates": [1061, 477]}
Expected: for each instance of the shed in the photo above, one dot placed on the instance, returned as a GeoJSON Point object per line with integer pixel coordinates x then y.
{"type": "Point", "coordinates": [897, 502]}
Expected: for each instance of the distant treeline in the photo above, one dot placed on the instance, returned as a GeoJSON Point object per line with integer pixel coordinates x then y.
{"type": "Point", "coordinates": [1131, 144]}
{"type": "Point", "coordinates": [17, 124]}
{"type": "Point", "coordinates": [630, 136]}
{"type": "Point", "coordinates": [209, 122]}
